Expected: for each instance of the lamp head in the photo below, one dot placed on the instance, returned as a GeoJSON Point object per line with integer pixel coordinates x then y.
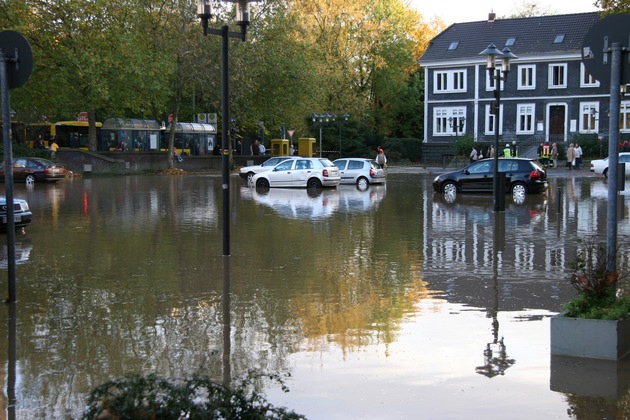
{"type": "Point", "coordinates": [505, 59]}
{"type": "Point", "coordinates": [491, 53]}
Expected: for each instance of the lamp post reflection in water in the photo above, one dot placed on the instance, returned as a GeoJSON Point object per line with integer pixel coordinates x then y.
{"type": "Point", "coordinates": [227, 323]}
{"type": "Point", "coordinates": [495, 354]}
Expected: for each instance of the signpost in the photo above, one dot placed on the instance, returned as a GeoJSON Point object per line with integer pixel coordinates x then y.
{"type": "Point", "coordinates": [16, 64]}
{"type": "Point", "coordinates": [603, 53]}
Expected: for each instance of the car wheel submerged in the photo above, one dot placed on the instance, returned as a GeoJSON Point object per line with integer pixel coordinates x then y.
{"type": "Point", "coordinates": [314, 183]}
{"type": "Point", "coordinates": [449, 188]}
{"type": "Point", "coordinates": [30, 179]}
{"type": "Point", "coordinates": [519, 191]}
{"type": "Point", "coordinates": [362, 183]}
{"type": "Point", "coordinates": [262, 183]}
{"type": "Point", "coordinates": [606, 173]}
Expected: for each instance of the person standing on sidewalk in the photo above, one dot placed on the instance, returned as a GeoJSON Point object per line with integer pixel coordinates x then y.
{"type": "Point", "coordinates": [554, 154]}
{"type": "Point", "coordinates": [570, 156]}
{"type": "Point", "coordinates": [578, 156]}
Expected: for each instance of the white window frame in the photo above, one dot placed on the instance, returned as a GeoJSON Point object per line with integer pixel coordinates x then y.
{"type": "Point", "coordinates": [589, 120]}
{"type": "Point", "coordinates": [449, 81]}
{"type": "Point", "coordinates": [562, 69]}
{"type": "Point", "coordinates": [441, 126]}
{"type": "Point", "coordinates": [586, 80]}
{"type": "Point", "coordinates": [491, 118]}
{"type": "Point", "coordinates": [624, 116]}
{"type": "Point", "coordinates": [525, 118]}
{"type": "Point", "coordinates": [490, 81]}
{"type": "Point", "coordinates": [527, 80]}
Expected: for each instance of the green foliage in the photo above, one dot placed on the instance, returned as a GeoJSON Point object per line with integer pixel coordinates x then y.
{"type": "Point", "coordinates": [595, 285]}
{"type": "Point", "coordinates": [151, 397]}
{"type": "Point", "coordinates": [20, 150]}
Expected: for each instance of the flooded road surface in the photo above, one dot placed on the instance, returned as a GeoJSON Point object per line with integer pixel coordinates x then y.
{"type": "Point", "coordinates": [393, 302]}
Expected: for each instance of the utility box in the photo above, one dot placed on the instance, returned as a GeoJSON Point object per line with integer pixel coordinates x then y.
{"type": "Point", "coordinates": [305, 147]}
{"type": "Point", "coordinates": [279, 147]}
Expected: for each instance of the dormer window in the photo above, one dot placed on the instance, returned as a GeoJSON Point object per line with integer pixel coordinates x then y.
{"type": "Point", "coordinates": [453, 45]}
{"type": "Point", "coordinates": [559, 38]}
{"type": "Point", "coordinates": [510, 41]}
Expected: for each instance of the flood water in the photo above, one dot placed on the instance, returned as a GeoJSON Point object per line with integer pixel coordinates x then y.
{"type": "Point", "coordinates": [386, 303]}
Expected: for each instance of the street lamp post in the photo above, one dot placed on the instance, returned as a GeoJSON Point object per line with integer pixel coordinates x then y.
{"type": "Point", "coordinates": [204, 12]}
{"type": "Point", "coordinates": [497, 75]}
{"type": "Point", "coordinates": [457, 124]}
{"type": "Point", "coordinates": [233, 130]}
{"type": "Point", "coordinates": [320, 120]}
{"type": "Point", "coordinates": [344, 119]}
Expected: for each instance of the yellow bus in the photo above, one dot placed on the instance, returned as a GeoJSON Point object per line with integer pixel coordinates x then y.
{"type": "Point", "coordinates": [68, 133]}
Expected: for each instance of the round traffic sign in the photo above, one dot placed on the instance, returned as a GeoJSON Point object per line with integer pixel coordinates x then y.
{"type": "Point", "coordinates": [18, 56]}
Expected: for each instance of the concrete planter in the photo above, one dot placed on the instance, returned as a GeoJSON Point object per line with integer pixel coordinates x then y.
{"type": "Point", "coordinates": [592, 338]}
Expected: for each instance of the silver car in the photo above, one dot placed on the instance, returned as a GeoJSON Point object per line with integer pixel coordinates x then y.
{"type": "Point", "coordinates": [247, 172]}
{"type": "Point", "coordinates": [361, 172]}
{"type": "Point", "coordinates": [299, 173]}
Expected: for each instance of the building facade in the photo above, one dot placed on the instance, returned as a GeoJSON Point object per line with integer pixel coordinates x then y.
{"type": "Point", "coordinates": [547, 96]}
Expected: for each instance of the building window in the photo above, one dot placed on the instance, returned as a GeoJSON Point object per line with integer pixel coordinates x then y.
{"type": "Point", "coordinates": [526, 77]}
{"type": "Point", "coordinates": [525, 119]}
{"type": "Point", "coordinates": [586, 80]}
{"type": "Point", "coordinates": [453, 45]}
{"type": "Point", "coordinates": [557, 76]}
{"type": "Point", "coordinates": [589, 117]}
{"type": "Point", "coordinates": [624, 116]}
{"type": "Point", "coordinates": [441, 124]}
{"type": "Point", "coordinates": [490, 81]}
{"type": "Point", "coordinates": [491, 120]}
{"type": "Point", "coordinates": [448, 81]}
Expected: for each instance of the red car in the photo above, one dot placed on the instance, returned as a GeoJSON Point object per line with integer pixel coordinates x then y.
{"type": "Point", "coordinates": [31, 170]}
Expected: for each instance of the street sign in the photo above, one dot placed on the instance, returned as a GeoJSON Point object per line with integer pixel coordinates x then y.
{"type": "Point", "coordinates": [18, 56]}
{"type": "Point", "coordinates": [597, 43]}
{"type": "Point", "coordinates": [291, 133]}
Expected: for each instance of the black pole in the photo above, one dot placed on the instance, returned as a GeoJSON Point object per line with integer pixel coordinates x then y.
{"type": "Point", "coordinates": [498, 200]}
{"type": "Point", "coordinates": [613, 157]}
{"type": "Point", "coordinates": [225, 141]}
{"type": "Point", "coordinates": [8, 175]}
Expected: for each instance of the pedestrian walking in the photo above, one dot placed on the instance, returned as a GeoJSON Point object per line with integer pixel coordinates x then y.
{"type": "Point", "coordinates": [554, 154]}
{"type": "Point", "coordinates": [381, 159]}
{"type": "Point", "coordinates": [473, 155]}
{"type": "Point", "coordinates": [570, 156]}
{"type": "Point", "coordinates": [578, 155]}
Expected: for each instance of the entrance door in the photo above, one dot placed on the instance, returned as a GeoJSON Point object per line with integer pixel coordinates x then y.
{"type": "Point", "coordinates": [557, 123]}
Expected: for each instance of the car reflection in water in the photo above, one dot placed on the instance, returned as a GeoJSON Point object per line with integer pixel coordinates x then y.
{"type": "Point", "coordinates": [23, 250]}
{"type": "Point", "coordinates": [357, 199]}
{"type": "Point", "coordinates": [519, 209]}
{"type": "Point", "coordinates": [295, 203]}
{"type": "Point", "coordinates": [316, 204]}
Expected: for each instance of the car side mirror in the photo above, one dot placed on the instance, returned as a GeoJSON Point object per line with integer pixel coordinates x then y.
{"type": "Point", "coordinates": [466, 171]}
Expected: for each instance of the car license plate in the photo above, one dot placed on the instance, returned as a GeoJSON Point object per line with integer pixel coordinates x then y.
{"type": "Point", "coordinates": [54, 171]}
{"type": "Point", "coordinates": [15, 219]}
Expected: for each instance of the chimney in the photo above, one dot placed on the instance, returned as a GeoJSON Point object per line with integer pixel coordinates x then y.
{"type": "Point", "coordinates": [491, 17]}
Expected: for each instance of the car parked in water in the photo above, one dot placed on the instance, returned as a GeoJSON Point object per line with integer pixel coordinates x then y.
{"type": "Point", "coordinates": [247, 172]}
{"type": "Point", "coordinates": [21, 213]}
{"type": "Point", "coordinates": [31, 170]}
{"type": "Point", "coordinates": [361, 172]}
{"type": "Point", "coordinates": [299, 173]}
{"type": "Point", "coordinates": [522, 176]}
{"type": "Point", "coordinates": [600, 166]}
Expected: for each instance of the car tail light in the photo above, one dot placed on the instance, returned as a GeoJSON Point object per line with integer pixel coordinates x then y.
{"type": "Point", "coordinates": [535, 174]}
{"type": "Point", "coordinates": [371, 172]}
{"type": "Point", "coordinates": [325, 172]}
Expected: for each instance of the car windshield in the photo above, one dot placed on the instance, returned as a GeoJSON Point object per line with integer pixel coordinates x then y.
{"type": "Point", "coordinates": [326, 163]}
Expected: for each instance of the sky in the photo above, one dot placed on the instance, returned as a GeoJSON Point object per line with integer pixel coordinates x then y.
{"type": "Point", "coordinates": [453, 11]}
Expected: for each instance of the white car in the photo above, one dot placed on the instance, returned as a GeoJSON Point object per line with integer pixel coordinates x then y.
{"type": "Point", "coordinates": [247, 172]}
{"type": "Point", "coordinates": [299, 173]}
{"type": "Point", "coordinates": [361, 172]}
{"type": "Point", "coordinates": [600, 166]}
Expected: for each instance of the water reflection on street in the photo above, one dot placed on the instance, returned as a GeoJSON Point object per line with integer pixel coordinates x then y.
{"type": "Point", "coordinates": [384, 303]}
